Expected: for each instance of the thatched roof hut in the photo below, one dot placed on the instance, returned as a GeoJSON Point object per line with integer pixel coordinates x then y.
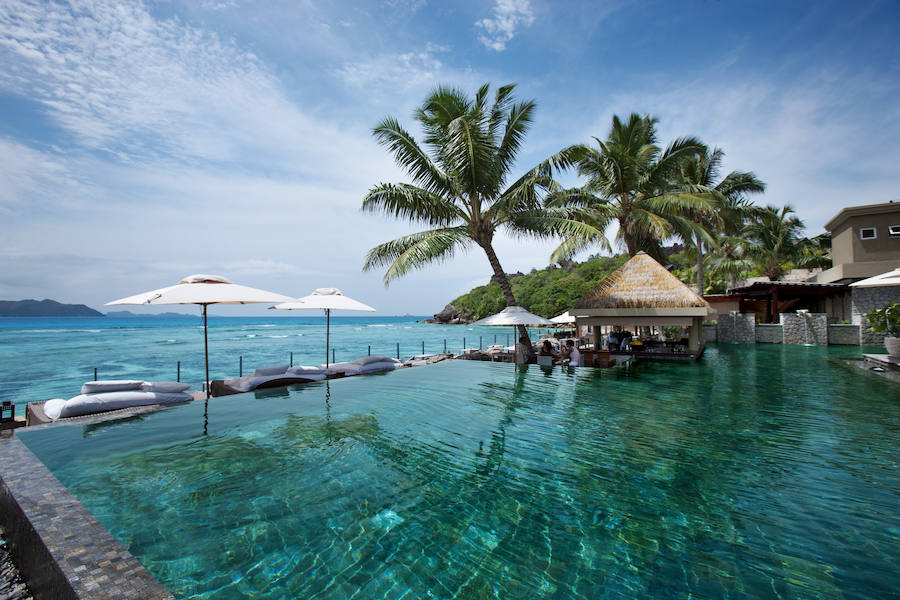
{"type": "Point", "coordinates": [641, 293]}
{"type": "Point", "coordinates": [641, 283]}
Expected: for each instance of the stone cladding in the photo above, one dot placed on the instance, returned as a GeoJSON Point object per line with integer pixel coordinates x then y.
{"type": "Point", "coordinates": [736, 328]}
{"type": "Point", "coordinates": [769, 333]}
{"type": "Point", "coordinates": [843, 334]}
{"type": "Point", "coordinates": [805, 328]}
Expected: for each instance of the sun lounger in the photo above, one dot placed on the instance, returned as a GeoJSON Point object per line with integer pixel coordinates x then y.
{"type": "Point", "coordinates": [268, 377]}
{"type": "Point", "coordinates": [106, 396]}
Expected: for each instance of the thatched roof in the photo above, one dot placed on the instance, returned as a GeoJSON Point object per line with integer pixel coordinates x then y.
{"type": "Point", "coordinates": [641, 283]}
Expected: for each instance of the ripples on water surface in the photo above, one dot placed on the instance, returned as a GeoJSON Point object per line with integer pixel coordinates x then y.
{"type": "Point", "coordinates": [759, 472]}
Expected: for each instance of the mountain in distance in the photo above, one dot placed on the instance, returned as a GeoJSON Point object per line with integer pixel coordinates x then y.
{"type": "Point", "coordinates": [45, 308]}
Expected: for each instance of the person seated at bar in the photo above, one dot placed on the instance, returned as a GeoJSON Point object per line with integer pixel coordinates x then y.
{"type": "Point", "coordinates": [573, 354]}
{"type": "Point", "coordinates": [612, 341]}
{"type": "Point", "coordinates": [625, 343]}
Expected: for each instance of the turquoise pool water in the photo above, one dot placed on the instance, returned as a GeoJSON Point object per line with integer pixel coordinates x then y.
{"type": "Point", "coordinates": [758, 472]}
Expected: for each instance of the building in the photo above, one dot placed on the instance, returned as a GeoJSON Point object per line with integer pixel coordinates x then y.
{"type": "Point", "coordinates": [642, 294]}
{"type": "Point", "coordinates": [865, 241]}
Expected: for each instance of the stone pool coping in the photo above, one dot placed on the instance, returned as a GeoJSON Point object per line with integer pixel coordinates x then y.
{"type": "Point", "coordinates": [60, 548]}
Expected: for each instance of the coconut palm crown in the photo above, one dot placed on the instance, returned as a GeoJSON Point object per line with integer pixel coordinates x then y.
{"type": "Point", "coordinates": [631, 181]}
{"type": "Point", "coordinates": [731, 207]}
{"type": "Point", "coordinates": [459, 181]}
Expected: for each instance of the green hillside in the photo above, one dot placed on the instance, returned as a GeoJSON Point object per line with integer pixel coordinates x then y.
{"type": "Point", "coordinates": [546, 292]}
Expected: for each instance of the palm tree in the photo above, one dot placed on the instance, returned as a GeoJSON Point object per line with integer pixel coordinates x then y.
{"type": "Point", "coordinates": [631, 182]}
{"type": "Point", "coordinates": [729, 260]}
{"type": "Point", "coordinates": [773, 240]}
{"type": "Point", "coordinates": [731, 207]}
{"type": "Point", "coordinates": [459, 182]}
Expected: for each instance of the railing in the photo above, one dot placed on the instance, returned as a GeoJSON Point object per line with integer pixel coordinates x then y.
{"type": "Point", "coordinates": [396, 352]}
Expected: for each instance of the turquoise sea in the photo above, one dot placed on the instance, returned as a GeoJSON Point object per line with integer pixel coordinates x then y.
{"type": "Point", "coordinates": [43, 358]}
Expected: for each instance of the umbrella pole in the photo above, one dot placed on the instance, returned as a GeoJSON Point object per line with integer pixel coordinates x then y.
{"type": "Point", "coordinates": [327, 333]}
{"type": "Point", "coordinates": [206, 351]}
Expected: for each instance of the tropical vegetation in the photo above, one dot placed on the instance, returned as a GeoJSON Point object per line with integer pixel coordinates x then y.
{"type": "Point", "coordinates": [460, 188]}
{"type": "Point", "coordinates": [632, 182]}
{"type": "Point", "coordinates": [462, 193]}
{"type": "Point", "coordinates": [547, 292]}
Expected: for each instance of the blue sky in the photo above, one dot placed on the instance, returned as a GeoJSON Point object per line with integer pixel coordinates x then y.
{"type": "Point", "coordinates": [140, 142]}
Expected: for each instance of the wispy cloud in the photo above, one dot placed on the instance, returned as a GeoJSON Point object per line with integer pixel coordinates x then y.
{"type": "Point", "coordinates": [509, 17]}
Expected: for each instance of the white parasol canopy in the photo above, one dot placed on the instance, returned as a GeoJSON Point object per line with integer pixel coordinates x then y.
{"type": "Point", "coordinates": [889, 278]}
{"type": "Point", "coordinates": [204, 290]}
{"type": "Point", "coordinates": [326, 299]}
{"type": "Point", "coordinates": [563, 319]}
{"type": "Point", "coordinates": [514, 315]}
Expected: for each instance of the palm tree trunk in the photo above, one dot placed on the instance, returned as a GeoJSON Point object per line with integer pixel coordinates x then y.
{"type": "Point", "coordinates": [701, 274]}
{"type": "Point", "coordinates": [506, 288]}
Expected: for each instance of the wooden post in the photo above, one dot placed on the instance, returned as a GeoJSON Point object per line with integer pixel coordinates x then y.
{"type": "Point", "coordinates": [240, 366]}
{"type": "Point", "coordinates": [398, 350]}
{"type": "Point", "coordinates": [292, 359]}
{"type": "Point", "coordinates": [95, 373]}
{"type": "Point", "coordinates": [178, 376]}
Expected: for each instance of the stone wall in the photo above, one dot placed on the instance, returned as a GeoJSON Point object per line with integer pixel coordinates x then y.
{"type": "Point", "coordinates": [805, 328]}
{"type": "Point", "coordinates": [866, 299]}
{"type": "Point", "coordinates": [769, 333]}
{"type": "Point", "coordinates": [736, 328]}
{"type": "Point", "coordinates": [709, 332]}
{"type": "Point", "coordinates": [843, 334]}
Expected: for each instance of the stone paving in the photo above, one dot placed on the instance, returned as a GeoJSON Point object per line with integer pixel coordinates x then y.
{"type": "Point", "coordinates": [12, 587]}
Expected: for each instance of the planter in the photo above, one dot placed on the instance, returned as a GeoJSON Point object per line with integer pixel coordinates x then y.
{"type": "Point", "coordinates": [893, 346]}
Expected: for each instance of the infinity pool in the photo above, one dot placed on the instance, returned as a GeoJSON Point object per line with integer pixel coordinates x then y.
{"type": "Point", "coordinates": [758, 472]}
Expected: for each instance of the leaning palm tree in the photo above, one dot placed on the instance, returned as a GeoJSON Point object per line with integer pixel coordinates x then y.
{"type": "Point", "coordinates": [459, 182]}
{"type": "Point", "coordinates": [773, 240]}
{"type": "Point", "coordinates": [730, 206]}
{"type": "Point", "coordinates": [631, 182]}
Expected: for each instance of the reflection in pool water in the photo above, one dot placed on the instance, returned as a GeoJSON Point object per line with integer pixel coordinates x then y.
{"type": "Point", "coordinates": [758, 472]}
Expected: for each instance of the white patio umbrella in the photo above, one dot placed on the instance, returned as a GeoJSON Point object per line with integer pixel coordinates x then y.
{"type": "Point", "coordinates": [514, 316]}
{"type": "Point", "coordinates": [326, 299]}
{"type": "Point", "coordinates": [203, 290]}
{"type": "Point", "coordinates": [563, 319]}
{"type": "Point", "coordinates": [885, 279]}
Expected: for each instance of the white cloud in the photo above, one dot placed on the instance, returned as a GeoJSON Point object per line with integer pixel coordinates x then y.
{"type": "Point", "coordinates": [509, 16]}
{"type": "Point", "coordinates": [143, 90]}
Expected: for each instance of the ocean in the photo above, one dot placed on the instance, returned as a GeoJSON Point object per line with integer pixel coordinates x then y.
{"type": "Point", "coordinates": [43, 358]}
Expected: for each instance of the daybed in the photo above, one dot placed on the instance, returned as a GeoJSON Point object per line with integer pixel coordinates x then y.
{"type": "Point", "coordinates": [105, 396]}
{"type": "Point", "coordinates": [267, 377]}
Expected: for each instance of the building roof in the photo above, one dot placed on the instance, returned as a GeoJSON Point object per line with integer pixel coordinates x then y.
{"type": "Point", "coordinates": [641, 283]}
{"type": "Point", "coordinates": [803, 288]}
{"type": "Point", "coordinates": [858, 211]}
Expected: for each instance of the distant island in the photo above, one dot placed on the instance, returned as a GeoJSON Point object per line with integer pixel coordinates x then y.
{"type": "Point", "coordinates": [45, 308]}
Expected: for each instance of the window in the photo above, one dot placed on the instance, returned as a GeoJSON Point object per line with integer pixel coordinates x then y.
{"type": "Point", "coordinates": [894, 231]}
{"type": "Point", "coordinates": [867, 233]}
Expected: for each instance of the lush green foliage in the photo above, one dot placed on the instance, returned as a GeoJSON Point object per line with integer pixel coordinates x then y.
{"type": "Point", "coordinates": [633, 183]}
{"type": "Point", "coordinates": [885, 319]}
{"type": "Point", "coordinates": [546, 292]}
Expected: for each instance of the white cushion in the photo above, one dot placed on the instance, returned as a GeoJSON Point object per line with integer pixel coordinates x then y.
{"type": "Point", "coordinates": [305, 370]}
{"type": "Point", "coordinates": [52, 408]}
{"type": "Point", "coordinates": [365, 360]}
{"type": "Point", "coordinates": [98, 387]}
{"type": "Point", "coordinates": [379, 366]}
{"type": "Point", "coordinates": [347, 368]}
{"type": "Point", "coordinates": [166, 387]}
{"type": "Point", "coordinates": [266, 371]}
{"type": "Point", "coordinates": [251, 382]}
{"type": "Point", "coordinates": [86, 404]}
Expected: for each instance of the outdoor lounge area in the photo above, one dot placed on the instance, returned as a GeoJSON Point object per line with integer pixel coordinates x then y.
{"type": "Point", "coordinates": [643, 310]}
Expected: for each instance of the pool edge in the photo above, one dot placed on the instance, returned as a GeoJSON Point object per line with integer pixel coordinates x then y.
{"type": "Point", "coordinates": [61, 549]}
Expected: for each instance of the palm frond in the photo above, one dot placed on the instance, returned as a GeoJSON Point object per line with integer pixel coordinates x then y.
{"type": "Point", "coordinates": [409, 155]}
{"type": "Point", "coordinates": [405, 201]}
{"type": "Point", "coordinates": [416, 250]}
